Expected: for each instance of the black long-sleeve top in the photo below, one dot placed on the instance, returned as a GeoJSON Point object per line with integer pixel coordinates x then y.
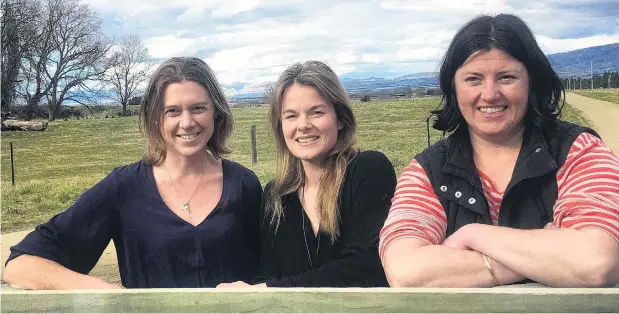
{"type": "Point", "coordinates": [352, 260]}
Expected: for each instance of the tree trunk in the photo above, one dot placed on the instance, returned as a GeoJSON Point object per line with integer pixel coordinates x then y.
{"type": "Point", "coordinates": [53, 112]}
{"type": "Point", "coordinates": [31, 106]}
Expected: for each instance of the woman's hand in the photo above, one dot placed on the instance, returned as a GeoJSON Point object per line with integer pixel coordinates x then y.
{"type": "Point", "coordinates": [236, 284]}
{"type": "Point", "coordinates": [241, 284]}
{"type": "Point", "coordinates": [461, 239]}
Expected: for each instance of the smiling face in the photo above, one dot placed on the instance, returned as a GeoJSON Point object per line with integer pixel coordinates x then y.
{"type": "Point", "coordinates": [187, 122]}
{"type": "Point", "coordinates": [492, 90]}
{"type": "Point", "coordinates": [309, 124]}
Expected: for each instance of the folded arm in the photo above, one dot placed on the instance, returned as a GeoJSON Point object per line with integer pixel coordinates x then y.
{"type": "Point", "coordinates": [411, 262]}
{"type": "Point", "coordinates": [552, 256]}
{"type": "Point", "coordinates": [410, 242]}
{"type": "Point", "coordinates": [581, 249]}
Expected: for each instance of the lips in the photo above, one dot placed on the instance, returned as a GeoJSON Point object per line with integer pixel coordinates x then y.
{"type": "Point", "coordinates": [188, 136]}
{"type": "Point", "coordinates": [493, 109]}
{"type": "Point", "coordinates": [307, 139]}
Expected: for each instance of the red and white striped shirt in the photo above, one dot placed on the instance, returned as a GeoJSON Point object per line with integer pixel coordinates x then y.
{"type": "Point", "coordinates": [588, 197]}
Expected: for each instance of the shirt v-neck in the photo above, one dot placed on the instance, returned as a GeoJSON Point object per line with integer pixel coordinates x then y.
{"type": "Point", "coordinates": [217, 208]}
{"type": "Point", "coordinates": [304, 223]}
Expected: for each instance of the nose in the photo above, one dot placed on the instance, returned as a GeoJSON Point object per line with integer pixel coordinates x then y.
{"type": "Point", "coordinates": [187, 120]}
{"type": "Point", "coordinates": [304, 123]}
{"type": "Point", "coordinates": [490, 91]}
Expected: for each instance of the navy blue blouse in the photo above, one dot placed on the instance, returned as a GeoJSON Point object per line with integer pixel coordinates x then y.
{"type": "Point", "coordinates": [155, 247]}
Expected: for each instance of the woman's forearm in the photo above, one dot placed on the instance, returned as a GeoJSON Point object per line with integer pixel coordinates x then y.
{"type": "Point", "coordinates": [555, 257]}
{"type": "Point", "coordinates": [409, 263]}
{"type": "Point", "coordinates": [36, 273]}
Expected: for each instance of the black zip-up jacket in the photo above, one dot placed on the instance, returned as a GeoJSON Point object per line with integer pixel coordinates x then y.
{"type": "Point", "coordinates": [530, 196]}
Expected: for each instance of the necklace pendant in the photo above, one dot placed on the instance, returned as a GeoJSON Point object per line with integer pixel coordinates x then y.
{"type": "Point", "coordinates": [185, 207]}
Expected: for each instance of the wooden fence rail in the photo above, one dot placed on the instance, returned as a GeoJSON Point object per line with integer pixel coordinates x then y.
{"type": "Point", "coordinates": [505, 299]}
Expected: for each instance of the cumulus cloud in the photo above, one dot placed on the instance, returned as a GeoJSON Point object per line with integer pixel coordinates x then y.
{"type": "Point", "coordinates": [170, 46]}
{"type": "Point", "coordinates": [553, 45]}
{"type": "Point", "coordinates": [254, 40]}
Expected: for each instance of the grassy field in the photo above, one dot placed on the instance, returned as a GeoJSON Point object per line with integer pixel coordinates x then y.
{"type": "Point", "coordinates": [607, 94]}
{"type": "Point", "coordinates": [52, 168]}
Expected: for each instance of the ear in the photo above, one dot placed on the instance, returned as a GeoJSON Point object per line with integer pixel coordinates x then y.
{"type": "Point", "coordinates": [340, 126]}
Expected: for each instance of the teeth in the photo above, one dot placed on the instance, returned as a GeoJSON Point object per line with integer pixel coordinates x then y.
{"type": "Point", "coordinates": [308, 139]}
{"type": "Point", "coordinates": [188, 136]}
{"type": "Point", "coordinates": [492, 109]}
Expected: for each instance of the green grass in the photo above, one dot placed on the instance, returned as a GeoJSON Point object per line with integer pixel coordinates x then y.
{"type": "Point", "coordinates": [574, 115]}
{"type": "Point", "coordinates": [55, 166]}
{"type": "Point", "coordinates": [607, 94]}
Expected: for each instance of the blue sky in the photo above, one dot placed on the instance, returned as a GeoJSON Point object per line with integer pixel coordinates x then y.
{"type": "Point", "coordinates": [253, 41]}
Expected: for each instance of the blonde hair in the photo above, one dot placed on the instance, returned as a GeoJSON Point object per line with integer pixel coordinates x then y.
{"type": "Point", "coordinates": [176, 70]}
{"type": "Point", "coordinates": [290, 175]}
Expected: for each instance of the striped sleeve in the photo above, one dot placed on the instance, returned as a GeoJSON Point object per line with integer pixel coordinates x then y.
{"type": "Point", "coordinates": [588, 185]}
{"type": "Point", "coordinates": [415, 211]}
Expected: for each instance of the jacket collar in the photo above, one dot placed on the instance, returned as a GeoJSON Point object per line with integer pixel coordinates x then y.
{"type": "Point", "coordinates": [534, 160]}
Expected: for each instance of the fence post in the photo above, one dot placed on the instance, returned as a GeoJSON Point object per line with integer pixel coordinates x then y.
{"type": "Point", "coordinates": [254, 153]}
{"type": "Point", "coordinates": [12, 165]}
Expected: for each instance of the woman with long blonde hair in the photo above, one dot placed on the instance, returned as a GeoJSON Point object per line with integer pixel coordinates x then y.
{"type": "Point", "coordinates": [323, 211]}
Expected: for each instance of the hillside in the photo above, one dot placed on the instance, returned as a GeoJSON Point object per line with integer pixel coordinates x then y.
{"type": "Point", "coordinates": [578, 62]}
{"type": "Point", "coordinates": [566, 64]}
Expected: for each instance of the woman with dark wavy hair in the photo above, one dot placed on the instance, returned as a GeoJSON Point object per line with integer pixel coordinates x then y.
{"type": "Point", "coordinates": [181, 217]}
{"type": "Point", "coordinates": [323, 211]}
{"type": "Point", "coordinates": [513, 193]}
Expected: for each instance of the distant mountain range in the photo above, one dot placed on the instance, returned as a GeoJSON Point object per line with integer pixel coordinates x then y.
{"type": "Point", "coordinates": [579, 62]}
{"type": "Point", "coordinates": [567, 64]}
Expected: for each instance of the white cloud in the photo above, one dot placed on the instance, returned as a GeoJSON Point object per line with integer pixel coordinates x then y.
{"type": "Point", "coordinates": [170, 46]}
{"type": "Point", "coordinates": [476, 6]}
{"type": "Point", "coordinates": [552, 45]}
{"type": "Point", "coordinates": [345, 57]}
{"type": "Point", "coordinates": [254, 40]}
{"type": "Point", "coordinates": [419, 54]}
{"type": "Point", "coordinates": [370, 57]}
{"type": "Point", "coordinates": [229, 8]}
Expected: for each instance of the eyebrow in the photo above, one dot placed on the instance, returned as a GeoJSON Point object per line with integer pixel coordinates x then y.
{"type": "Point", "coordinates": [498, 73]}
{"type": "Point", "coordinates": [314, 107]}
{"type": "Point", "coordinates": [201, 102]}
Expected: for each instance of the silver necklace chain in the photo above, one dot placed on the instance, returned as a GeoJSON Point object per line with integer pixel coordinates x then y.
{"type": "Point", "coordinates": [303, 226]}
{"type": "Point", "coordinates": [185, 206]}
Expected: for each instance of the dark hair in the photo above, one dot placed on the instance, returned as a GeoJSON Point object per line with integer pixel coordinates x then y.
{"type": "Point", "coordinates": [176, 70]}
{"type": "Point", "coordinates": [512, 35]}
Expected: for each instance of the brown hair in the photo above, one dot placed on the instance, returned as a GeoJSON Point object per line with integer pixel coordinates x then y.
{"type": "Point", "coordinates": [290, 175]}
{"type": "Point", "coordinates": [176, 70]}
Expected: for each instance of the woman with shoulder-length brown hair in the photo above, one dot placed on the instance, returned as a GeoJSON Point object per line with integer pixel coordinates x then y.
{"type": "Point", "coordinates": [181, 217]}
{"type": "Point", "coordinates": [324, 209]}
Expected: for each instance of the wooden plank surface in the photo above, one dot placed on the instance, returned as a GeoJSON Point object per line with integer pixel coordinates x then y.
{"type": "Point", "coordinates": [323, 300]}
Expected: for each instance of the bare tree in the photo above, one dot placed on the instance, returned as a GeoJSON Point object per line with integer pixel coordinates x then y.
{"type": "Point", "coordinates": [18, 22]}
{"type": "Point", "coordinates": [34, 83]}
{"type": "Point", "coordinates": [269, 92]}
{"type": "Point", "coordinates": [71, 53]}
{"type": "Point", "coordinates": [131, 68]}
{"type": "Point", "coordinates": [80, 52]}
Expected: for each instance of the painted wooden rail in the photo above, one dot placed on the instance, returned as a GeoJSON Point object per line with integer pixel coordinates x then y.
{"type": "Point", "coordinates": [504, 299]}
